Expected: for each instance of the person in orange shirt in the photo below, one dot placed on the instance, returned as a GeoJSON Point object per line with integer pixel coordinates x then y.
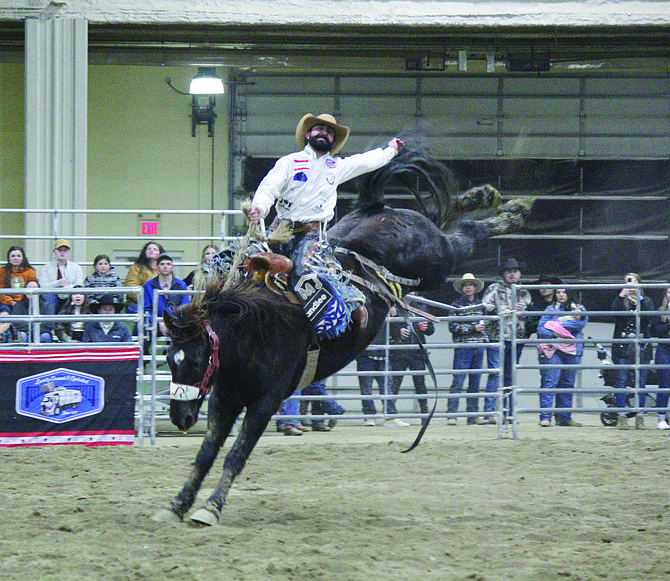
{"type": "Point", "coordinates": [17, 273]}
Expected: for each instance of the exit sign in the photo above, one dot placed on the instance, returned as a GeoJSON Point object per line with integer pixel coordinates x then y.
{"type": "Point", "coordinates": [149, 228]}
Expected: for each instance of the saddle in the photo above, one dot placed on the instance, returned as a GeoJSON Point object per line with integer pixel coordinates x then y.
{"type": "Point", "coordinates": [271, 269]}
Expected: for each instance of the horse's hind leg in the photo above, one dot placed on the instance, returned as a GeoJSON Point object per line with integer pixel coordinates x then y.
{"type": "Point", "coordinates": [255, 422]}
{"type": "Point", "coordinates": [479, 198]}
{"type": "Point", "coordinates": [220, 423]}
{"type": "Point", "coordinates": [511, 216]}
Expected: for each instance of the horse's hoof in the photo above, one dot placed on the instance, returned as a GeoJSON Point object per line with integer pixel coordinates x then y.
{"type": "Point", "coordinates": [166, 515]}
{"type": "Point", "coordinates": [204, 517]}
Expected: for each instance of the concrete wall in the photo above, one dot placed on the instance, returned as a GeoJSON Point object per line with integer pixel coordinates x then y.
{"type": "Point", "coordinates": [12, 145]}
{"type": "Point", "coordinates": [141, 155]}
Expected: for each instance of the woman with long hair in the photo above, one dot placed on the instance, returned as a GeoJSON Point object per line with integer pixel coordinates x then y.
{"type": "Point", "coordinates": [142, 271]}
{"type": "Point", "coordinates": [16, 273]}
{"type": "Point", "coordinates": [198, 278]}
{"type": "Point", "coordinates": [72, 332]}
{"type": "Point", "coordinates": [562, 319]}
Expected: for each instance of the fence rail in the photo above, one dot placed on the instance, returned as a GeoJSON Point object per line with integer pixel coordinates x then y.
{"type": "Point", "coordinates": [152, 396]}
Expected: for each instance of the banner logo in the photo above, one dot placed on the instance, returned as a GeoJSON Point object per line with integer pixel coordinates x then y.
{"type": "Point", "coordinates": [60, 395]}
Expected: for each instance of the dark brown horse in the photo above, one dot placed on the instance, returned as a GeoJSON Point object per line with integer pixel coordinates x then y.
{"type": "Point", "coordinates": [250, 346]}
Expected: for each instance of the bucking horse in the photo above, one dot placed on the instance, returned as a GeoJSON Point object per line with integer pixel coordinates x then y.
{"type": "Point", "coordinates": [248, 347]}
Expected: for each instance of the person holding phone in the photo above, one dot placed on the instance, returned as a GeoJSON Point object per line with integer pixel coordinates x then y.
{"type": "Point", "coordinates": [630, 328]}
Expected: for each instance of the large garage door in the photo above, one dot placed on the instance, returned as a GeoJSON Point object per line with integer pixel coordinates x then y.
{"type": "Point", "coordinates": [465, 117]}
{"type": "Point", "coordinates": [593, 151]}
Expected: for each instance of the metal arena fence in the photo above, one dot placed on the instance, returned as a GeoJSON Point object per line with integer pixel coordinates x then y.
{"type": "Point", "coordinates": [153, 376]}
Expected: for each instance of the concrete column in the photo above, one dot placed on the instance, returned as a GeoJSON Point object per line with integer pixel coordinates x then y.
{"type": "Point", "coordinates": [56, 132]}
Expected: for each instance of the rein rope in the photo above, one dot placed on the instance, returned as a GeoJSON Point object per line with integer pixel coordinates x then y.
{"type": "Point", "coordinates": [203, 384]}
{"type": "Point", "coordinates": [393, 297]}
{"type": "Point", "coordinates": [253, 232]}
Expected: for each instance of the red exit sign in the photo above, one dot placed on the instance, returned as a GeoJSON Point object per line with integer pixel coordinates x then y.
{"type": "Point", "coordinates": [149, 228]}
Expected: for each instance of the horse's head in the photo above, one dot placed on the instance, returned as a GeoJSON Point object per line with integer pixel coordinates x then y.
{"type": "Point", "coordinates": [193, 359]}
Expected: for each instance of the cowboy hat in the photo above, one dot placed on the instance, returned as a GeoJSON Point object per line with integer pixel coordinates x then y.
{"type": "Point", "coordinates": [510, 264]}
{"type": "Point", "coordinates": [309, 121]}
{"type": "Point", "coordinates": [468, 277]}
{"type": "Point", "coordinates": [106, 300]}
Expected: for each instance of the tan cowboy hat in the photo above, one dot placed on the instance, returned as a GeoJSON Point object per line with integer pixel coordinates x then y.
{"type": "Point", "coordinates": [309, 121]}
{"type": "Point", "coordinates": [468, 277]}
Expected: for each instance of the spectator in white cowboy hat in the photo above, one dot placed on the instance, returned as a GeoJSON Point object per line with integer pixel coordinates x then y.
{"type": "Point", "coordinates": [302, 186]}
{"type": "Point", "coordinates": [470, 331]}
{"type": "Point", "coordinates": [61, 273]}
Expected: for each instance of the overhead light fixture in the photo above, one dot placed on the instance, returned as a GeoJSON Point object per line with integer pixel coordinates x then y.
{"type": "Point", "coordinates": [203, 90]}
{"type": "Point", "coordinates": [206, 82]}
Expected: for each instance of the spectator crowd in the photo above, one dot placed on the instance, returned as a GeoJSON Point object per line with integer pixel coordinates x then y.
{"type": "Point", "coordinates": [480, 323]}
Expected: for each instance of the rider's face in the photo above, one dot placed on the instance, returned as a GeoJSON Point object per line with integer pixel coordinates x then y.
{"type": "Point", "coordinates": [320, 137]}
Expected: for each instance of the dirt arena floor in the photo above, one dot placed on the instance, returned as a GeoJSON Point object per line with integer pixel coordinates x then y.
{"type": "Point", "coordinates": [559, 503]}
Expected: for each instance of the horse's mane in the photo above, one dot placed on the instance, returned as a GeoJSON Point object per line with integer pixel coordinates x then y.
{"type": "Point", "coordinates": [417, 173]}
{"type": "Point", "coordinates": [245, 310]}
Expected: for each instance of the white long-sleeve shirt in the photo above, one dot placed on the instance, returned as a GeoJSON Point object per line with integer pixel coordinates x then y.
{"type": "Point", "coordinates": [304, 187]}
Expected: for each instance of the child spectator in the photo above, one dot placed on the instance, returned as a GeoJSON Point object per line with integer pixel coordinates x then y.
{"type": "Point", "coordinates": [142, 271]}
{"type": "Point", "coordinates": [107, 331]}
{"type": "Point", "coordinates": [15, 274]}
{"type": "Point", "coordinates": [34, 305]}
{"type": "Point", "coordinates": [103, 276]}
{"type": "Point", "coordinates": [8, 333]}
{"type": "Point", "coordinates": [73, 332]}
{"type": "Point", "coordinates": [197, 279]}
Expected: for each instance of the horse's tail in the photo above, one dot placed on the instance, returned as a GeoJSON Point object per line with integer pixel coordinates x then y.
{"type": "Point", "coordinates": [413, 172]}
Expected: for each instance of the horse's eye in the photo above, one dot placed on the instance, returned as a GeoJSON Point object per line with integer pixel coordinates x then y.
{"type": "Point", "coordinates": [178, 357]}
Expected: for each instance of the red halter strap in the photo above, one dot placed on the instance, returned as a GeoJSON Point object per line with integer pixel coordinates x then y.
{"type": "Point", "coordinates": [203, 385]}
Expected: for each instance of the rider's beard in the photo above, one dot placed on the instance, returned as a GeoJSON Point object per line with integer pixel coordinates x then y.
{"type": "Point", "coordinates": [320, 143]}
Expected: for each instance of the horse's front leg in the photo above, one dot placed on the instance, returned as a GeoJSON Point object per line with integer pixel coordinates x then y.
{"type": "Point", "coordinates": [255, 421]}
{"type": "Point", "coordinates": [220, 422]}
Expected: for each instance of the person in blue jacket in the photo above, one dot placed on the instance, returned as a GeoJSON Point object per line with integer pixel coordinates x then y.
{"type": "Point", "coordinates": [563, 318]}
{"type": "Point", "coordinates": [165, 281]}
{"type": "Point", "coordinates": [106, 331]}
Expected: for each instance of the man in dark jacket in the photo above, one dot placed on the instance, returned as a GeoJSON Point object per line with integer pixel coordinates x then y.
{"type": "Point", "coordinates": [106, 331]}
{"type": "Point", "coordinates": [411, 358]}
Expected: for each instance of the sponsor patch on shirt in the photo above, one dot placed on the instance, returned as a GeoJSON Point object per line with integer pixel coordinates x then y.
{"type": "Point", "coordinates": [330, 162]}
{"type": "Point", "coordinates": [300, 177]}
